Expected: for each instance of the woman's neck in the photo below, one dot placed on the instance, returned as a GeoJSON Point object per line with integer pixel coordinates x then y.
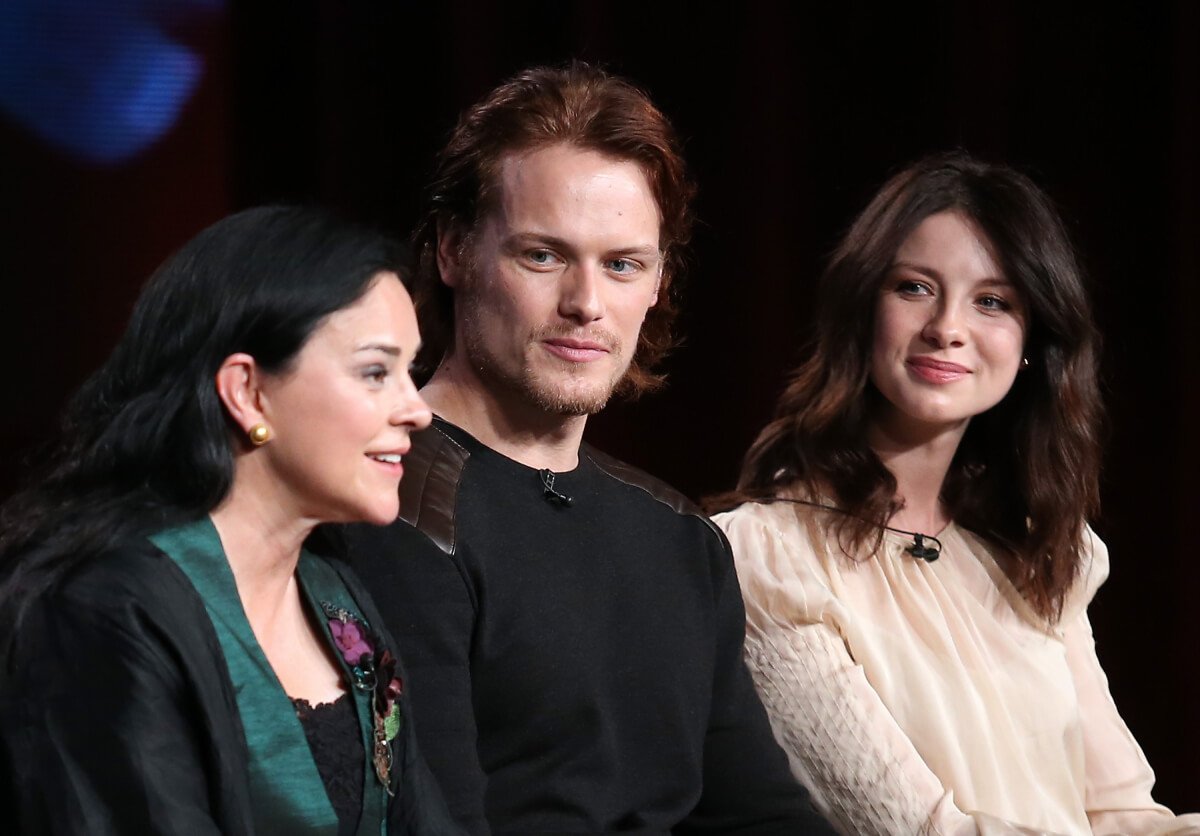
{"type": "Point", "coordinates": [919, 462]}
{"type": "Point", "coordinates": [262, 540]}
{"type": "Point", "coordinates": [262, 543]}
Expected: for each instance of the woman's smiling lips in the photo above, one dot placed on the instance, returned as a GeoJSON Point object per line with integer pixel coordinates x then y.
{"type": "Point", "coordinates": [390, 461]}
{"type": "Point", "coordinates": [936, 371]}
{"type": "Point", "coordinates": [575, 351]}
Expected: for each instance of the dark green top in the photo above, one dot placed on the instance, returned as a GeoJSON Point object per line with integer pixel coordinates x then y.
{"type": "Point", "coordinates": [285, 787]}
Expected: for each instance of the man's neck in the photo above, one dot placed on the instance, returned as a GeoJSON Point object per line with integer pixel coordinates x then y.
{"type": "Point", "coordinates": [508, 424]}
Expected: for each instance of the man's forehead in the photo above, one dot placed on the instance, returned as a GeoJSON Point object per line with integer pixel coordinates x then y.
{"type": "Point", "coordinates": [564, 165]}
{"type": "Point", "coordinates": [566, 184]}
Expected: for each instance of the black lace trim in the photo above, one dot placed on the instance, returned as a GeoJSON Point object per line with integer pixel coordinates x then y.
{"type": "Point", "coordinates": [335, 739]}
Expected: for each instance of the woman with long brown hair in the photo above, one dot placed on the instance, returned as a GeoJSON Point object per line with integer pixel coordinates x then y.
{"type": "Point", "coordinates": [911, 532]}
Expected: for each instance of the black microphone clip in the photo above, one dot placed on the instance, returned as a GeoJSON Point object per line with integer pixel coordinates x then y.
{"type": "Point", "coordinates": [923, 552]}
{"type": "Point", "coordinates": [548, 492]}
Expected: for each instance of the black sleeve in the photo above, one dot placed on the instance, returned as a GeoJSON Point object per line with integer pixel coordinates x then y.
{"type": "Point", "coordinates": [99, 731]}
{"type": "Point", "coordinates": [427, 603]}
{"type": "Point", "coordinates": [748, 786]}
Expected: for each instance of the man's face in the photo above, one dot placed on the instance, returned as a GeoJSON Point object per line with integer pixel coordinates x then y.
{"type": "Point", "coordinates": [552, 289]}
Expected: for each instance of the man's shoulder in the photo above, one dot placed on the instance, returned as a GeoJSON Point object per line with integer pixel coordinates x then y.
{"type": "Point", "coordinates": [435, 467]}
{"type": "Point", "coordinates": [656, 490]}
{"type": "Point", "coordinates": [433, 471]}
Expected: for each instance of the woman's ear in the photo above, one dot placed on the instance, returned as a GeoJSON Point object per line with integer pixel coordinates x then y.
{"type": "Point", "coordinates": [238, 384]}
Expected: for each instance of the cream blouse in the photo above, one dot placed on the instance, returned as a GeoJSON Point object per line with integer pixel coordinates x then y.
{"type": "Point", "coordinates": [916, 697]}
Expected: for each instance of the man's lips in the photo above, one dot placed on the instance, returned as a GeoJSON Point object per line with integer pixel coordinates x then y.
{"type": "Point", "coordinates": [936, 371]}
{"type": "Point", "coordinates": [576, 350]}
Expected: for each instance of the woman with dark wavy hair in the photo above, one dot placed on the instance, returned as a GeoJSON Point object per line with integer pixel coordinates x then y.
{"type": "Point", "coordinates": [174, 658]}
{"type": "Point", "coordinates": [912, 537]}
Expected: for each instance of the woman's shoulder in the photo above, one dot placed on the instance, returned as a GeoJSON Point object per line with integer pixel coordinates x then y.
{"type": "Point", "coordinates": [129, 610]}
{"type": "Point", "coordinates": [782, 522]}
{"type": "Point", "coordinates": [131, 582]}
{"type": "Point", "coordinates": [1093, 572]}
{"type": "Point", "coordinates": [784, 563]}
{"type": "Point", "coordinates": [133, 567]}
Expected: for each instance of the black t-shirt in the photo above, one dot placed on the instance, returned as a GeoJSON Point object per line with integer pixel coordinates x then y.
{"type": "Point", "coordinates": [576, 666]}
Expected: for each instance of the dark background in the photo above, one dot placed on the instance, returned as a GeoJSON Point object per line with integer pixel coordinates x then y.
{"type": "Point", "coordinates": [792, 116]}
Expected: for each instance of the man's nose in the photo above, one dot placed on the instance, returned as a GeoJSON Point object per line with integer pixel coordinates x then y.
{"type": "Point", "coordinates": [580, 293]}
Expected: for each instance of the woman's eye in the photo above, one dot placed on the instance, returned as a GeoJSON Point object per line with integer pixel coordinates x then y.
{"type": "Point", "coordinates": [375, 374]}
{"type": "Point", "coordinates": [621, 266]}
{"type": "Point", "coordinates": [994, 303]}
{"type": "Point", "coordinates": [909, 287]}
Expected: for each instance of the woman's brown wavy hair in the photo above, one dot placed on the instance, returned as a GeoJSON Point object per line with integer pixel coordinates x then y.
{"type": "Point", "coordinates": [1025, 474]}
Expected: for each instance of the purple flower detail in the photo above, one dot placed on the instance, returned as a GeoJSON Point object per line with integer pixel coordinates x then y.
{"type": "Point", "coordinates": [349, 638]}
{"type": "Point", "coordinates": [374, 672]}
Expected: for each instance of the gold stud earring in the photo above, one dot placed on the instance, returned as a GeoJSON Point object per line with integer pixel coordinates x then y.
{"type": "Point", "coordinates": [260, 434]}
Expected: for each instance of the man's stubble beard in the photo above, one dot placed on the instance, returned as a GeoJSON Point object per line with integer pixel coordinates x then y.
{"type": "Point", "coordinates": [526, 383]}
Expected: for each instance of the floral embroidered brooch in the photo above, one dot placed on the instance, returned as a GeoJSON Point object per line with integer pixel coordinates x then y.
{"type": "Point", "coordinates": [373, 670]}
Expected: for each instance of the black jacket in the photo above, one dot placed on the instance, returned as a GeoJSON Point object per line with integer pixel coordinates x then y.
{"type": "Point", "coordinates": [117, 714]}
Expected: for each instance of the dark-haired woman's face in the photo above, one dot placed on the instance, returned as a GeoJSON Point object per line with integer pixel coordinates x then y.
{"type": "Point", "coordinates": [949, 329]}
{"type": "Point", "coordinates": [341, 416]}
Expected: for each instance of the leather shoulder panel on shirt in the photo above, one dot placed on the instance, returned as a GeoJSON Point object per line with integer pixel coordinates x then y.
{"type": "Point", "coordinates": [433, 469]}
{"type": "Point", "coordinates": [658, 489]}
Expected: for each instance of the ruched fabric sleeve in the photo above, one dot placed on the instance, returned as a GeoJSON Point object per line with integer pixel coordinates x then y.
{"type": "Point", "coordinates": [747, 787]}
{"type": "Point", "coordinates": [1119, 778]}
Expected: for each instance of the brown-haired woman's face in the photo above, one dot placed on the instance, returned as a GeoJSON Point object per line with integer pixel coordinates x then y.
{"type": "Point", "coordinates": [949, 329]}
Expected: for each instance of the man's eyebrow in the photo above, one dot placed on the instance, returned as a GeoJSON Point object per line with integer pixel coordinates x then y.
{"type": "Point", "coordinates": [518, 239]}
{"type": "Point", "coordinates": [646, 250]}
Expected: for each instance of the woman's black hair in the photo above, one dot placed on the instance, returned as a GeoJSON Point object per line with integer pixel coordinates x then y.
{"type": "Point", "coordinates": [146, 442]}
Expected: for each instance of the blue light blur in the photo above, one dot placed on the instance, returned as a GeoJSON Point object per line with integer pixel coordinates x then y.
{"type": "Point", "coordinates": [99, 80]}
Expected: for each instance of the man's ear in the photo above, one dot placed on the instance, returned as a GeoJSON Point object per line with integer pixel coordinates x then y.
{"type": "Point", "coordinates": [452, 255]}
{"type": "Point", "coordinates": [238, 382]}
{"type": "Point", "coordinates": [658, 281]}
